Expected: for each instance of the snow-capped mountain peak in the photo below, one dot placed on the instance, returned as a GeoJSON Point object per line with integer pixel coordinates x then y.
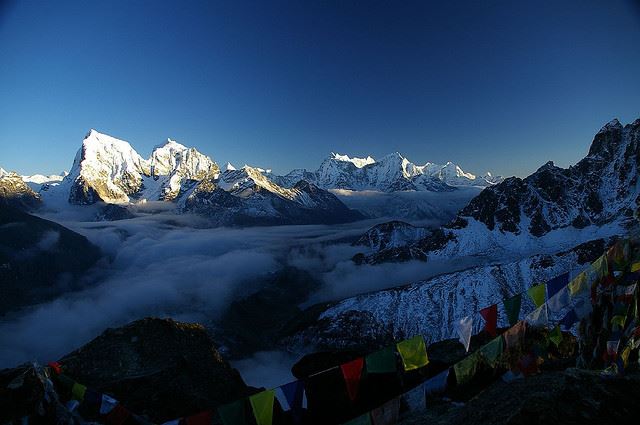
{"type": "Point", "coordinates": [3, 172]}
{"type": "Point", "coordinates": [358, 162]}
{"type": "Point", "coordinates": [229, 167]}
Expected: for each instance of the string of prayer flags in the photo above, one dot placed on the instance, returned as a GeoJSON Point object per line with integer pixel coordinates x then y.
{"type": "Point", "coordinates": [569, 319]}
{"type": "Point", "coordinates": [512, 307]}
{"type": "Point", "coordinates": [492, 351]}
{"type": "Point", "coordinates": [360, 420]}
{"type": "Point", "coordinates": [107, 404]}
{"type": "Point", "coordinates": [556, 284]}
{"type": "Point", "coordinates": [514, 335]}
{"type": "Point", "coordinates": [490, 316]}
{"type": "Point", "coordinates": [559, 300]}
{"type": "Point", "coordinates": [262, 406]}
{"type": "Point", "coordinates": [612, 349]}
{"type": "Point", "coordinates": [352, 372]}
{"type": "Point", "coordinates": [233, 413]}
{"type": "Point", "coordinates": [437, 384]}
{"type": "Point", "coordinates": [539, 317]}
{"type": "Point", "coordinates": [556, 336]}
{"type": "Point", "coordinates": [382, 361]}
{"type": "Point", "coordinates": [294, 395]}
{"type": "Point", "coordinates": [466, 368]}
{"type": "Point", "coordinates": [579, 284]}
{"type": "Point", "coordinates": [536, 293]}
{"type": "Point", "coordinates": [387, 414]}
{"type": "Point", "coordinates": [464, 329]}
{"type": "Point", "coordinates": [413, 352]}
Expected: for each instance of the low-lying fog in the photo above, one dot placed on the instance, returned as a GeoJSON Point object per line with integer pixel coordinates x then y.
{"type": "Point", "coordinates": [167, 265]}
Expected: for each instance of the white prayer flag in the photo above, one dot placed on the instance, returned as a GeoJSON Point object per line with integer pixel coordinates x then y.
{"type": "Point", "coordinates": [464, 329]}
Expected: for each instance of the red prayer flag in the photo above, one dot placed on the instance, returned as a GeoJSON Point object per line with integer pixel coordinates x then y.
{"type": "Point", "coordinates": [352, 372]}
{"type": "Point", "coordinates": [56, 367]}
{"type": "Point", "coordinates": [490, 316]}
{"type": "Point", "coordinates": [117, 416]}
{"type": "Point", "coordinates": [203, 418]}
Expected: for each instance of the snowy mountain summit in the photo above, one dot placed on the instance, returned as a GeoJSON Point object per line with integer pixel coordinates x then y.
{"type": "Point", "coordinates": [391, 173]}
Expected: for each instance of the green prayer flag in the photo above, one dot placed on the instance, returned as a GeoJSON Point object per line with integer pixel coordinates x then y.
{"type": "Point", "coordinates": [77, 391]}
{"type": "Point", "coordinates": [619, 320]}
{"type": "Point", "coordinates": [233, 413]}
{"type": "Point", "coordinates": [383, 361]}
{"type": "Point", "coordinates": [537, 294]}
{"type": "Point", "coordinates": [413, 352]}
{"type": "Point", "coordinates": [360, 420]}
{"type": "Point", "coordinates": [491, 352]}
{"type": "Point", "coordinates": [466, 368]}
{"type": "Point", "coordinates": [556, 336]}
{"type": "Point", "coordinates": [512, 307]}
{"type": "Point", "coordinates": [262, 405]}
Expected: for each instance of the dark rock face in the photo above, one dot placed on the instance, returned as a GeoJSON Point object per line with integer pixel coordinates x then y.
{"type": "Point", "coordinates": [39, 259]}
{"type": "Point", "coordinates": [391, 234]}
{"type": "Point", "coordinates": [15, 193]}
{"type": "Point", "coordinates": [113, 212]}
{"type": "Point", "coordinates": [159, 368]}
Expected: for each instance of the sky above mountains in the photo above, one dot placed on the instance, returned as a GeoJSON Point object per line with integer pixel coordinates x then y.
{"type": "Point", "coordinates": [496, 85]}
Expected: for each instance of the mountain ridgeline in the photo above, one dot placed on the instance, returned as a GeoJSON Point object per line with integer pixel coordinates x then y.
{"type": "Point", "coordinates": [565, 206]}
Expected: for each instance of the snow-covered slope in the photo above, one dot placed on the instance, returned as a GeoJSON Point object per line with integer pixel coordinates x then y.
{"type": "Point", "coordinates": [3, 172]}
{"type": "Point", "coordinates": [597, 197]}
{"type": "Point", "coordinates": [391, 234]}
{"type": "Point", "coordinates": [391, 173]}
{"type": "Point", "coordinates": [246, 196]}
{"type": "Point", "coordinates": [429, 307]}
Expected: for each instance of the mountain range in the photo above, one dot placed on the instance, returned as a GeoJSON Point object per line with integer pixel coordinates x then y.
{"type": "Point", "coordinates": [109, 170]}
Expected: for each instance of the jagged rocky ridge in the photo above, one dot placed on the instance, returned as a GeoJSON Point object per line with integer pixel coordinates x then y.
{"type": "Point", "coordinates": [14, 192]}
{"type": "Point", "coordinates": [391, 173]}
{"type": "Point", "coordinates": [109, 170]}
{"type": "Point", "coordinates": [392, 234]}
{"type": "Point", "coordinates": [552, 207]}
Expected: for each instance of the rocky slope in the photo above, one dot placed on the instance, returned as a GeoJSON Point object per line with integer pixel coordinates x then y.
{"type": "Point", "coordinates": [391, 173]}
{"type": "Point", "coordinates": [15, 193]}
{"type": "Point", "coordinates": [392, 234]}
{"type": "Point", "coordinates": [158, 368]}
{"type": "Point", "coordinates": [39, 259]}
{"type": "Point", "coordinates": [552, 207]}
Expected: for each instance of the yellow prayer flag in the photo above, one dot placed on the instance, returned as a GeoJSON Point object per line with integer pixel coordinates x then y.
{"type": "Point", "coordinates": [578, 284]}
{"type": "Point", "coordinates": [635, 267]}
{"type": "Point", "coordinates": [413, 352]}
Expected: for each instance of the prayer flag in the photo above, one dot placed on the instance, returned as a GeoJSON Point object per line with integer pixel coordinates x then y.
{"type": "Point", "coordinates": [569, 319]}
{"type": "Point", "coordinates": [600, 266]}
{"type": "Point", "coordinates": [203, 418]}
{"type": "Point", "coordinates": [387, 414]}
{"type": "Point", "coordinates": [413, 352]}
{"type": "Point", "coordinates": [117, 416]}
{"type": "Point", "coordinates": [490, 316]}
{"type": "Point", "coordinates": [77, 391]}
{"type": "Point", "coordinates": [612, 349]}
{"type": "Point", "coordinates": [528, 364]}
{"type": "Point", "coordinates": [514, 335]}
{"type": "Point", "coordinates": [556, 336]}
{"type": "Point", "coordinates": [559, 300]}
{"type": "Point", "coordinates": [352, 372]}
{"type": "Point", "coordinates": [360, 420]}
{"type": "Point", "coordinates": [536, 293]}
{"type": "Point", "coordinates": [437, 384]}
{"type": "Point", "coordinates": [556, 284]}
{"type": "Point", "coordinates": [107, 404]}
{"type": "Point", "coordinates": [539, 317]}
{"type": "Point", "coordinates": [583, 308]}
{"type": "Point", "coordinates": [579, 284]}
{"type": "Point", "coordinates": [466, 368]}
{"type": "Point", "coordinates": [512, 307]}
{"type": "Point", "coordinates": [491, 352]}
{"type": "Point", "coordinates": [262, 406]}
{"type": "Point", "coordinates": [55, 367]}
{"type": "Point", "coordinates": [233, 413]}
{"type": "Point", "coordinates": [294, 394]}
{"type": "Point", "coordinates": [382, 361]}
{"type": "Point", "coordinates": [415, 399]}
{"type": "Point", "coordinates": [464, 328]}
{"type": "Point", "coordinates": [635, 267]}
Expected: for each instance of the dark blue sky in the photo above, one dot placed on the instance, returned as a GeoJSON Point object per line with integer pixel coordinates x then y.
{"type": "Point", "coordinates": [493, 85]}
